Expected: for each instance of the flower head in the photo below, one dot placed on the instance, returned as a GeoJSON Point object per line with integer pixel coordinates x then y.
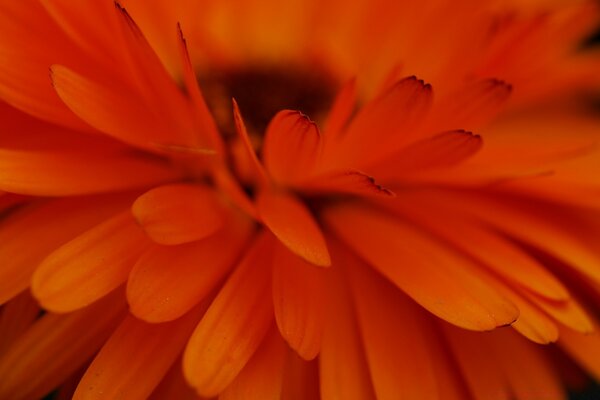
{"type": "Point", "coordinates": [308, 199]}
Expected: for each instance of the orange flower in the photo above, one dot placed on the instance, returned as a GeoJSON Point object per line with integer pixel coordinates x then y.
{"type": "Point", "coordinates": [412, 240]}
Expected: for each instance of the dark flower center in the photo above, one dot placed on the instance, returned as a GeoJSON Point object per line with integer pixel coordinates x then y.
{"type": "Point", "coordinates": [262, 92]}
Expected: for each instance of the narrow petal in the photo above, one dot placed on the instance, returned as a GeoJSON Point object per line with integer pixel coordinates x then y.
{"type": "Point", "coordinates": [341, 111]}
{"type": "Point", "coordinates": [294, 225]}
{"type": "Point", "coordinates": [174, 386]}
{"type": "Point", "coordinates": [178, 213]}
{"type": "Point", "coordinates": [262, 377]}
{"type": "Point", "coordinates": [154, 83]}
{"type": "Point", "coordinates": [135, 358]}
{"type": "Point", "coordinates": [400, 359]}
{"type": "Point", "coordinates": [257, 168]}
{"type": "Point", "coordinates": [113, 108]}
{"type": "Point", "coordinates": [385, 124]}
{"type": "Point", "coordinates": [442, 150]}
{"type": "Point", "coordinates": [167, 281]}
{"type": "Point", "coordinates": [342, 364]}
{"type": "Point", "coordinates": [568, 312]}
{"type": "Point", "coordinates": [300, 378]}
{"type": "Point", "coordinates": [89, 266]}
{"type": "Point", "coordinates": [472, 104]}
{"type": "Point", "coordinates": [234, 325]}
{"type": "Point", "coordinates": [56, 346]}
{"type": "Point", "coordinates": [345, 182]}
{"type": "Point", "coordinates": [493, 250]}
{"type": "Point", "coordinates": [298, 298]}
{"type": "Point", "coordinates": [528, 371]}
{"type": "Point", "coordinates": [52, 223]}
{"type": "Point", "coordinates": [583, 348]}
{"type": "Point", "coordinates": [26, 58]}
{"type": "Point", "coordinates": [15, 317]}
{"type": "Point", "coordinates": [206, 120]}
{"type": "Point", "coordinates": [292, 146]}
{"type": "Point", "coordinates": [483, 376]}
{"type": "Point", "coordinates": [68, 173]}
{"type": "Point", "coordinates": [441, 280]}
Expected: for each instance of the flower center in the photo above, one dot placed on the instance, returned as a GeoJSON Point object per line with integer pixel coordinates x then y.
{"type": "Point", "coordinates": [263, 91]}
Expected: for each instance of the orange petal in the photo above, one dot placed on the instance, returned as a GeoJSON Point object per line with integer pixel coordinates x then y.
{"type": "Point", "coordinates": [258, 169]}
{"type": "Point", "coordinates": [301, 378]}
{"type": "Point", "coordinates": [36, 42]}
{"type": "Point", "coordinates": [135, 358]}
{"type": "Point", "coordinates": [234, 325]}
{"type": "Point", "coordinates": [340, 113]}
{"type": "Point", "coordinates": [178, 213]}
{"type": "Point", "coordinates": [583, 348]}
{"type": "Point", "coordinates": [528, 371]}
{"type": "Point", "coordinates": [174, 386]}
{"type": "Point", "coordinates": [262, 377]}
{"type": "Point", "coordinates": [294, 225]}
{"type": "Point", "coordinates": [56, 346]}
{"type": "Point", "coordinates": [15, 317]}
{"type": "Point", "coordinates": [442, 150]}
{"type": "Point", "coordinates": [569, 312]}
{"type": "Point", "coordinates": [441, 280]}
{"type": "Point", "coordinates": [298, 297]}
{"type": "Point", "coordinates": [115, 109]}
{"type": "Point", "coordinates": [385, 124]}
{"type": "Point", "coordinates": [342, 364]}
{"type": "Point", "coordinates": [292, 146]}
{"type": "Point", "coordinates": [51, 160]}
{"type": "Point", "coordinates": [51, 223]}
{"type": "Point", "coordinates": [345, 182]}
{"type": "Point", "coordinates": [160, 92]}
{"type": "Point", "coordinates": [471, 105]}
{"type": "Point", "coordinates": [206, 120]}
{"type": "Point", "coordinates": [493, 250]}
{"type": "Point", "coordinates": [400, 359]}
{"type": "Point", "coordinates": [230, 186]}
{"type": "Point", "coordinates": [89, 266]}
{"type": "Point", "coordinates": [480, 371]}
{"type": "Point", "coordinates": [166, 282]}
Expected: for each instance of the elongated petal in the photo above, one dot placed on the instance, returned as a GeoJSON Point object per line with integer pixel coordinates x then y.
{"type": "Point", "coordinates": [442, 281]}
{"type": "Point", "coordinates": [529, 372]}
{"type": "Point", "coordinates": [292, 146]}
{"type": "Point", "coordinates": [400, 359]}
{"type": "Point", "coordinates": [583, 348]}
{"type": "Point", "coordinates": [385, 124]}
{"type": "Point", "coordinates": [89, 266]}
{"type": "Point", "coordinates": [262, 377]}
{"type": "Point", "coordinates": [472, 104]}
{"type": "Point", "coordinates": [480, 371]}
{"type": "Point", "coordinates": [495, 251]}
{"type": "Point", "coordinates": [135, 358]}
{"type": "Point", "coordinates": [569, 312]}
{"type": "Point", "coordinates": [67, 173]}
{"type": "Point", "coordinates": [52, 224]}
{"type": "Point", "coordinates": [166, 282]}
{"type": "Point", "coordinates": [442, 150]}
{"type": "Point", "coordinates": [15, 317]}
{"type": "Point", "coordinates": [298, 299]}
{"type": "Point", "coordinates": [234, 325]}
{"type": "Point", "coordinates": [179, 213]}
{"type": "Point", "coordinates": [26, 58]}
{"type": "Point", "coordinates": [345, 182]}
{"type": "Point", "coordinates": [257, 168]}
{"type": "Point", "coordinates": [340, 112]}
{"type": "Point", "coordinates": [342, 364]}
{"type": "Point", "coordinates": [294, 225]}
{"type": "Point", "coordinates": [55, 347]}
{"type": "Point", "coordinates": [113, 108]}
{"type": "Point", "coordinates": [301, 378]}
